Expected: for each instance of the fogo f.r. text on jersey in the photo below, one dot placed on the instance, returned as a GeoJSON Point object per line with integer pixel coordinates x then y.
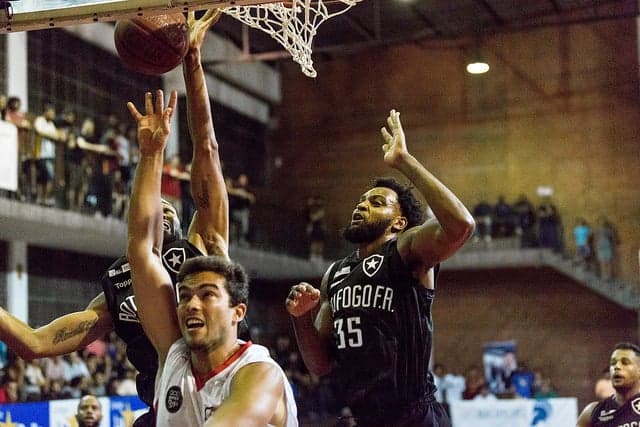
{"type": "Point", "coordinates": [382, 330]}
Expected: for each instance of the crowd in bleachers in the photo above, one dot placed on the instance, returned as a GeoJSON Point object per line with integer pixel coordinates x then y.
{"type": "Point", "coordinates": [541, 226]}
{"type": "Point", "coordinates": [102, 369]}
{"type": "Point", "coordinates": [71, 163]}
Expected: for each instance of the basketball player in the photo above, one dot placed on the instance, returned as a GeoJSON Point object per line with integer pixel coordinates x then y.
{"type": "Point", "coordinates": [114, 308]}
{"type": "Point", "coordinates": [206, 375]}
{"type": "Point", "coordinates": [373, 326]}
{"type": "Point", "coordinates": [623, 408]}
{"type": "Point", "coordinates": [89, 413]}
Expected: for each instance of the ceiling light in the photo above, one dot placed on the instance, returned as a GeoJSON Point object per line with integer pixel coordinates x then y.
{"type": "Point", "coordinates": [477, 67]}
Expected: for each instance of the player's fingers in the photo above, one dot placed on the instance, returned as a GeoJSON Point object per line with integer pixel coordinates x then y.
{"type": "Point", "coordinates": [159, 101]}
{"type": "Point", "coordinates": [191, 17]}
{"type": "Point", "coordinates": [211, 17]}
{"type": "Point", "coordinates": [386, 135]}
{"type": "Point", "coordinates": [134, 111]}
{"type": "Point", "coordinates": [166, 119]}
{"type": "Point", "coordinates": [390, 122]}
{"type": "Point", "coordinates": [173, 100]}
{"type": "Point", "coordinates": [148, 102]}
{"type": "Point", "coordinates": [396, 118]}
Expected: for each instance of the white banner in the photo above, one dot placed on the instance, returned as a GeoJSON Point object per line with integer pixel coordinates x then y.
{"type": "Point", "coordinates": [557, 412]}
{"type": "Point", "coordinates": [9, 157]}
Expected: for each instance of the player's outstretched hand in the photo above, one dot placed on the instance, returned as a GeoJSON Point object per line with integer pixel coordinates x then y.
{"type": "Point", "coordinates": [395, 145]}
{"type": "Point", "coordinates": [302, 298]}
{"type": "Point", "coordinates": [198, 27]}
{"type": "Point", "coordinates": [154, 125]}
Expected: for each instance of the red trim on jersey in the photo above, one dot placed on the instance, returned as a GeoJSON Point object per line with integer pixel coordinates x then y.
{"type": "Point", "coordinates": [200, 382]}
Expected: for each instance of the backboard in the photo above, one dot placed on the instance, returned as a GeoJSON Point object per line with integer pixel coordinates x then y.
{"type": "Point", "coordinates": [23, 15]}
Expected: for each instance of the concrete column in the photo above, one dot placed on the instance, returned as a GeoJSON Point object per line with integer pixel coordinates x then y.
{"type": "Point", "coordinates": [17, 70]}
{"type": "Point", "coordinates": [18, 281]}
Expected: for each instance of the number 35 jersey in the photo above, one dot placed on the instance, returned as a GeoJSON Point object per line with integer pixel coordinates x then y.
{"type": "Point", "coordinates": [382, 331]}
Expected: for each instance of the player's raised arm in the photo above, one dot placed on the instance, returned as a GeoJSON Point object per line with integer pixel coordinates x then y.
{"type": "Point", "coordinates": [63, 335]}
{"type": "Point", "coordinates": [209, 229]}
{"type": "Point", "coordinates": [152, 285]}
{"type": "Point", "coordinates": [440, 237]}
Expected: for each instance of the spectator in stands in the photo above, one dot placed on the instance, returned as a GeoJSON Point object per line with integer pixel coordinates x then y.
{"type": "Point", "coordinates": [522, 381]}
{"type": "Point", "coordinates": [127, 384]}
{"type": "Point", "coordinates": [548, 225]}
{"type": "Point", "coordinates": [3, 106]}
{"type": "Point", "coordinates": [55, 368]}
{"type": "Point", "coordinates": [15, 115]}
{"type": "Point", "coordinates": [10, 391]}
{"type": "Point", "coordinates": [98, 384]}
{"type": "Point", "coordinates": [474, 381]}
{"type": "Point", "coordinates": [525, 221]}
{"type": "Point", "coordinates": [453, 386]}
{"type": "Point", "coordinates": [47, 135]}
{"type": "Point", "coordinates": [603, 388]}
{"type": "Point", "coordinates": [34, 380]}
{"type": "Point", "coordinates": [483, 215]}
{"type": "Point", "coordinates": [582, 236]}
{"type": "Point", "coordinates": [75, 163]}
{"type": "Point", "coordinates": [438, 378]}
{"type": "Point", "coordinates": [605, 241]}
{"type": "Point", "coordinates": [76, 367]}
{"type": "Point", "coordinates": [240, 201]}
{"type": "Point", "coordinates": [503, 218]}
{"type": "Point", "coordinates": [85, 158]}
{"type": "Point", "coordinates": [484, 393]}
{"type": "Point", "coordinates": [89, 412]}
{"type": "Point", "coordinates": [316, 230]}
{"type": "Point", "coordinates": [122, 171]}
{"type": "Point", "coordinates": [53, 390]}
{"type": "Point", "coordinates": [547, 390]}
{"type": "Point", "coordinates": [66, 124]}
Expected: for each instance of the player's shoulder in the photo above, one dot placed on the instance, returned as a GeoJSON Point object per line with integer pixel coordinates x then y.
{"type": "Point", "coordinates": [118, 267]}
{"type": "Point", "coordinates": [181, 244]}
{"type": "Point", "coordinates": [585, 417]}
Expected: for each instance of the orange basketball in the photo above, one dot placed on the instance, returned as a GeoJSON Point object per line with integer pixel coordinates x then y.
{"type": "Point", "coordinates": [154, 44]}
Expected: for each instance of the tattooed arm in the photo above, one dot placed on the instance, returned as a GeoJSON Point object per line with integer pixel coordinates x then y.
{"type": "Point", "coordinates": [63, 335]}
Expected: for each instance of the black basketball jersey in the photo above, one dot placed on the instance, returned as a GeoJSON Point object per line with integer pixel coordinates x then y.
{"type": "Point", "coordinates": [116, 284]}
{"type": "Point", "coordinates": [609, 414]}
{"type": "Point", "coordinates": [382, 331]}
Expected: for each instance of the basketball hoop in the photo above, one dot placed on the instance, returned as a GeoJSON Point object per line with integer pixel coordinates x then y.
{"type": "Point", "coordinates": [293, 23]}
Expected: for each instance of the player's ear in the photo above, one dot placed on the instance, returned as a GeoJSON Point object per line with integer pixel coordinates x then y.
{"type": "Point", "coordinates": [239, 311]}
{"type": "Point", "coordinates": [399, 224]}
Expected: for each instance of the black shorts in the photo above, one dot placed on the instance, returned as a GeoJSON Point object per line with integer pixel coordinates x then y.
{"type": "Point", "coordinates": [147, 419]}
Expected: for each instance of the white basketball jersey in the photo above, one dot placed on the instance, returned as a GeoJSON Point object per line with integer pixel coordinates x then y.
{"type": "Point", "coordinates": [181, 402]}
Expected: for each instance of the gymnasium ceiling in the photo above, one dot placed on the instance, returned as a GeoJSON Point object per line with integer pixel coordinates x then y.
{"type": "Point", "coordinates": [374, 23]}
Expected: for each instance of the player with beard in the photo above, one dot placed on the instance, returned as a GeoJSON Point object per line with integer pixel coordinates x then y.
{"type": "Point", "coordinates": [370, 322]}
{"type": "Point", "coordinates": [89, 413]}
{"type": "Point", "coordinates": [115, 308]}
{"type": "Point", "coordinates": [623, 408]}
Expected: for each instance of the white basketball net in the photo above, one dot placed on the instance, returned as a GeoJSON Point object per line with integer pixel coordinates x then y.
{"type": "Point", "coordinates": [293, 25]}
